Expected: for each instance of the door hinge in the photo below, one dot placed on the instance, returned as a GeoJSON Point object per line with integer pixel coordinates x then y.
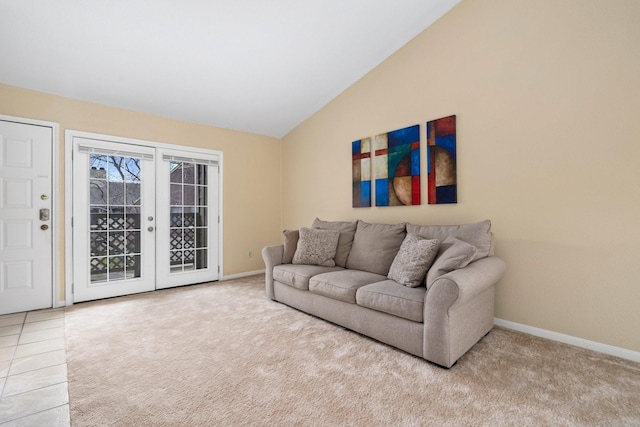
{"type": "Point", "coordinates": [218, 269]}
{"type": "Point", "coordinates": [73, 289]}
{"type": "Point", "coordinates": [72, 221]}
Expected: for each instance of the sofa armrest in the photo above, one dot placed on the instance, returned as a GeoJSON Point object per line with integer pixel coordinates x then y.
{"type": "Point", "coordinates": [462, 285]}
{"type": "Point", "coordinates": [272, 256]}
{"type": "Point", "coordinates": [458, 309]}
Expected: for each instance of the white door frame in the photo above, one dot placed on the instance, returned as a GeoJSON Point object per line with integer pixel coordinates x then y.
{"type": "Point", "coordinates": [57, 203]}
{"type": "Point", "coordinates": [68, 191]}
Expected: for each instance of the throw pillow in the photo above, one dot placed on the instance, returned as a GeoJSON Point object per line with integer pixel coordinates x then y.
{"type": "Point", "coordinates": [453, 254]}
{"type": "Point", "coordinates": [414, 258]}
{"type": "Point", "coordinates": [290, 241]}
{"type": "Point", "coordinates": [347, 231]}
{"type": "Point", "coordinates": [375, 246]}
{"type": "Point", "coordinates": [316, 247]}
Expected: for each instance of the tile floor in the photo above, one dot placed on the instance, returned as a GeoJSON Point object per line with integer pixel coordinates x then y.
{"type": "Point", "coordinates": [33, 370]}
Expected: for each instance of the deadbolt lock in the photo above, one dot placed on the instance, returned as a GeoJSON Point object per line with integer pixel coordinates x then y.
{"type": "Point", "coordinates": [44, 197]}
{"type": "Point", "coordinates": [44, 227]}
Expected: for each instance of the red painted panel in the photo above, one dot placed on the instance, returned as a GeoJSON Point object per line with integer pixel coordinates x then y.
{"type": "Point", "coordinates": [415, 189]}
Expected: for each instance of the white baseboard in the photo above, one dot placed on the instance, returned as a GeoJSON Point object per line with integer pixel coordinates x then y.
{"type": "Point", "coordinates": [241, 275]}
{"type": "Point", "coordinates": [568, 339]}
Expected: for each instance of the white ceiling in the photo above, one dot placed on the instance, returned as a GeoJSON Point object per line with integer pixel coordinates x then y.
{"type": "Point", "coordinates": [262, 66]}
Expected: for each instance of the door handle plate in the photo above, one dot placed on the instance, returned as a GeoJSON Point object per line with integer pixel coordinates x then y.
{"type": "Point", "coordinates": [44, 214]}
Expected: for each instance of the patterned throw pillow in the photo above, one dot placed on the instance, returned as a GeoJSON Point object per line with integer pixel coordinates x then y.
{"type": "Point", "coordinates": [316, 247]}
{"type": "Point", "coordinates": [347, 231]}
{"type": "Point", "coordinates": [414, 258]}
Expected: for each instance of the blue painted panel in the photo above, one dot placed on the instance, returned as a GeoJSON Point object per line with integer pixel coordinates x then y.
{"type": "Point", "coordinates": [366, 193]}
{"type": "Point", "coordinates": [382, 192]}
{"type": "Point", "coordinates": [448, 142]}
{"type": "Point", "coordinates": [446, 194]}
{"type": "Point", "coordinates": [404, 136]}
{"type": "Point", "coordinates": [356, 147]}
{"type": "Point", "coordinates": [415, 162]}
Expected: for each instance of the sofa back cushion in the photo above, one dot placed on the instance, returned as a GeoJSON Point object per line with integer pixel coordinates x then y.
{"type": "Point", "coordinates": [477, 234]}
{"type": "Point", "coordinates": [290, 242]}
{"type": "Point", "coordinates": [375, 246]}
{"type": "Point", "coordinates": [347, 231]}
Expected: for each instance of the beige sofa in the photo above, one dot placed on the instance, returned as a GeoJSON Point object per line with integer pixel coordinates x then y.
{"type": "Point", "coordinates": [427, 290]}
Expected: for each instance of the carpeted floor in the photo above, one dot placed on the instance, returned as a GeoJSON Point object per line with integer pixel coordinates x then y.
{"type": "Point", "coordinates": [222, 354]}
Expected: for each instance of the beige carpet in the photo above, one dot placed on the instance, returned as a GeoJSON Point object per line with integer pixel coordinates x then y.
{"type": "Point", "coordinates": [222, 354]}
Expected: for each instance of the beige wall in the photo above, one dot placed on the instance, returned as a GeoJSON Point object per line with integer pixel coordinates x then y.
{"type": "Point", "coordinates": [251, 178]}
{"type": "Point", "coordinates": [547, 100]}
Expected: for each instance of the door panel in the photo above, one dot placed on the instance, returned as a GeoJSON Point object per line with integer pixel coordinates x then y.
{"type": "Point", "coordinates": [114, 224]}
{"type": "Point", "coordinates": [187, 209]}
{"type": "Point", "coordinates": [25, 217]}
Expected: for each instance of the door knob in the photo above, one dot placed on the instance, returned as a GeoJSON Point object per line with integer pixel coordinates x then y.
{"type": "Point", "coordinates": [150, 228]}
{"type": "Point", "coordinates": [44, 197]}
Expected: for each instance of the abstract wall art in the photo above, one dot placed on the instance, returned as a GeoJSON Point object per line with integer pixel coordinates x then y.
{"type": "Point", "coordinates": [397, 167]}
{"type": "Point", "coordinates": [442, 161]}
{"type": "Point", "coordinates": [361, 158]}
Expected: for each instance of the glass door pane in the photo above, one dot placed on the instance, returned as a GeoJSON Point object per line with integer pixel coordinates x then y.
{"type": "Point", "coordinates": [114, 225]}
{"type": "Point", "coordinates": [188, 216]}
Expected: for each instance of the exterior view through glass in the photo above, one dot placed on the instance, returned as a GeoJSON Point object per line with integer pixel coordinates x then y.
{"type": "Point", "coordinates": [188, 216]}
{"type": "Point", "coordinates": [114, 225]}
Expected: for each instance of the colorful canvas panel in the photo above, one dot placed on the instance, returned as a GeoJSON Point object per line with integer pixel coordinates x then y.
{"type": "Point", "coordinates": [442, 161]}
{"type": "Point", "coordinates": [361, 158]}
{"type": "Point", "coordinates": [397, 167]}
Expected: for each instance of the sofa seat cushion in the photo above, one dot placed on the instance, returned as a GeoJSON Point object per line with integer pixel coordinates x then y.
{"type": "Point", "coordinates": [298, 275]}
{"type": "Point", "coordinates": [342, 285]}
{"type": "Point", "coordinates": [393, 298]}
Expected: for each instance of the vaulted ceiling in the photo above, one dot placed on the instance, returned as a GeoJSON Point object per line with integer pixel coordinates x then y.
{"type": "Point", "coordinates": [261, 66]}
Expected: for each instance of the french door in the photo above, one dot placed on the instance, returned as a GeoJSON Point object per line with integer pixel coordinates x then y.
{"type": "Point", "coordinates": [144, 218]}
{"type": "Point", "coordinates": [187, 200]}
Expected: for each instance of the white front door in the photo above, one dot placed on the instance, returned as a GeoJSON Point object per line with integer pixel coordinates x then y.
{"type": "Point", "coordinates": [25, 217]}
{"type": "Point", "coordinates": [113, 219]}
